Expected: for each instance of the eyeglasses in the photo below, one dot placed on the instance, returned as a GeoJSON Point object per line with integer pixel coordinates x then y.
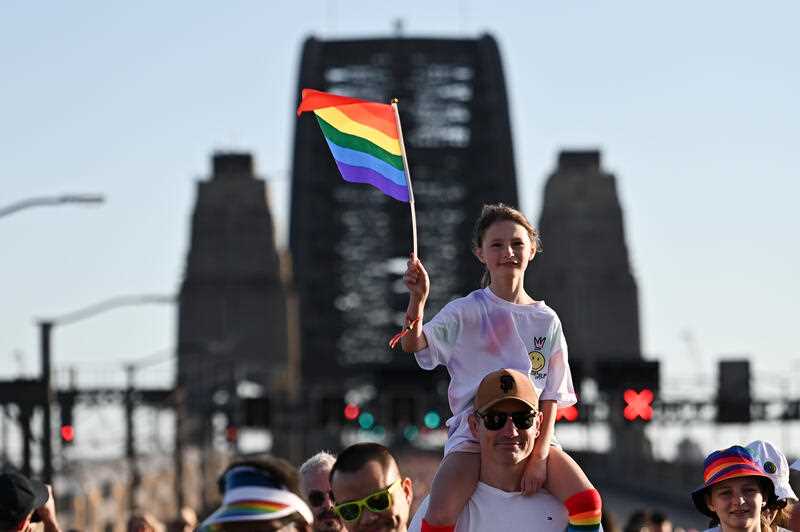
{"type": "Point", "coordinates": [377, 502]}
{"type": "Point", "coordinates": [497, 420]}
{"type": "Point", "coordinates": [317, 498]}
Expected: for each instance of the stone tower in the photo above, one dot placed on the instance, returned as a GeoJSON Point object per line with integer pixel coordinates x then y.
{"type": "Point", "coordinates": [232, 322]}
{"type": "Point", "coordinates": [584, 271]}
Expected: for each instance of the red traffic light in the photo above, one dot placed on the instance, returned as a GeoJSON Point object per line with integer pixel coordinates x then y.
{"type": "Point", "coordinates": [638, 404]}
{"type": "Point", "coordinates": [351, 412]}
{"type": "Point", "coordinates": [569, 413]}
{"type": "Point", "coordinates": [231, 433]}
{"type": "Point", "coordinates": [67, 433]}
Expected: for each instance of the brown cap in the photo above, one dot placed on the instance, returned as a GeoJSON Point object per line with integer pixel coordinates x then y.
{"type": "Point", "coordinates": [505, 384]}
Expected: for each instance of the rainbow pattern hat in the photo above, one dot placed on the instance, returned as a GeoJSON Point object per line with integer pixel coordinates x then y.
{"type": "Point", "coordinates": [733, 462]}
{"type": "Point", "coordinates": [252, 495]}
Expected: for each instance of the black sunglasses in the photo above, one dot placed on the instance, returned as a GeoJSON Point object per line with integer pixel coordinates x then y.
{"type": "Point", "coordinates": [317, 498]}
{"type": "Point", "coordinates": [497, 420]}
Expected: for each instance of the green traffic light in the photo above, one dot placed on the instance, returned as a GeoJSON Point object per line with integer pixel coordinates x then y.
{"type": "Point", "coordinates": [410, 432]}
{"type": "Point", "coordinates": [432, 419]}
{"type": "Point", "coordinates": [366, 420]}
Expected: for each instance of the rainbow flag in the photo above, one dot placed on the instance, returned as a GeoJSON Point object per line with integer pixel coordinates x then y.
{"type": "Point", "coordinates": [363, 138]}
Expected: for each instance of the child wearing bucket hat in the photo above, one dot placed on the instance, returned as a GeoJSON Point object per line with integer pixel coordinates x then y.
{"type": "Point", "coordinates": [734, 492]}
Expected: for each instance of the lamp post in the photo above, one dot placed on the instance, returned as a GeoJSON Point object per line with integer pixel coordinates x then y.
{"type": "Point", "coordinates": [44, 201]}
{"type": "Point", "coordinates": [45, 332]}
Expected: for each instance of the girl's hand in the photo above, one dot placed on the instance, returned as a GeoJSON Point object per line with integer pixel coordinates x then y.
{"type": "Point", "coordinates": [534, 476]}
{"type": "Point", "coordinates": [416, 279]}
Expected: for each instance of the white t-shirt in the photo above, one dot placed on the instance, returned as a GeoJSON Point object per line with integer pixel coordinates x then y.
{"type": "Point", "coordinates": [491, 509]}
{"type": "Point", "coordinates": [480, 333]}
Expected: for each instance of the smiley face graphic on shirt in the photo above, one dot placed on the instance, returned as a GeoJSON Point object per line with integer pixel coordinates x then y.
{"type": "Point", "coordinates": [537, 361]}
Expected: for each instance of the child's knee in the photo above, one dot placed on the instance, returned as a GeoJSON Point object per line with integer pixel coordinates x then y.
{"type": "Point", "coordinates": [442, 514]}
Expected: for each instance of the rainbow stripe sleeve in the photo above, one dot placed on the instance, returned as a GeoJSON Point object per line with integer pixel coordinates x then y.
{"type": "Point", "coordinates": [363, 139]}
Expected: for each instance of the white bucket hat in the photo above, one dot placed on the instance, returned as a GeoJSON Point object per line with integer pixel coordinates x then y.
{"type": "Point", "coordinates": [774, 464]}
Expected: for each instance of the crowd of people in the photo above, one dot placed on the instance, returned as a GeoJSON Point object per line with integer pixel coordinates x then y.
{"type": "Point", "coordinates": [503, 468]}
{"type": "Point", "coordinates": [744, 489]}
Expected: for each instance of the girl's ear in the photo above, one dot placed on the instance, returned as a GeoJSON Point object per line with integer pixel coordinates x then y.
{"type": "Point", "coordinates": [478, 253]}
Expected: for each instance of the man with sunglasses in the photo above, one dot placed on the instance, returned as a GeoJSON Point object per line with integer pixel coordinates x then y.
{"type": "Point", "coordinates": [505, 423]}
{"type": "Point", "coordinates": [315, 483]}
{"type": "Point", "coordinates": [370, 493]}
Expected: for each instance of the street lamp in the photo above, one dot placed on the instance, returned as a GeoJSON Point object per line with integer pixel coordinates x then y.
{"type": "Point", "coordinates": [44, 201]}
{"type": "Point", "coordinates": [45, 332]}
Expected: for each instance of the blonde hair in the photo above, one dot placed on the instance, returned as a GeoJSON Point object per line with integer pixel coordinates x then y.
{"type": "Point", "coordinates": [496, 212]}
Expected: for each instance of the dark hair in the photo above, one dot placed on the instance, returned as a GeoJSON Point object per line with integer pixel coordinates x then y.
{"type": "Point", "coordinates": [637, 520]}
{"type": "Point", "coordinates": [495, 212]}
{"type": "Point", "coordinates": [357, 455]}
{"type": "Point", "coordinates": [657, 517]}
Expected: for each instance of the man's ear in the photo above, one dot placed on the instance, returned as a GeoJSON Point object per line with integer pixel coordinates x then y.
{"type": "Point", "coordinates": [473, 425]}
{"type": "Point", "coordinates": [408, 489]}
{"type": "Point", "coordinates": [538, 422]}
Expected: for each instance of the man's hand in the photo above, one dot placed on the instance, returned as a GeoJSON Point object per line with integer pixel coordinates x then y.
{"type": "Point", "coordinates": [47, 513]}
{"type": "Point", "coordinates": [416, 279]}
{"type": "Point", "coordinates": [534, 476]}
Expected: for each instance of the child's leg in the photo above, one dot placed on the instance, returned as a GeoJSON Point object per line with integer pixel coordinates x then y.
{"type": "Point", "coordinates": [567, 481]}
{"type": "Point", "coordinates": [451, 488]}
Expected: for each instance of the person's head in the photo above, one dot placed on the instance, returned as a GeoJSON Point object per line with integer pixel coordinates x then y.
{"type": "Point", "coordinates": [659, 522]}
{"type": "Point", "coordinates": [186, 521]}
{"type": "Point", "coordinates": [504, 241]}
{"type": "Point", "coordinates": [315, 485]}
{"type": "Point", "coordinates": [369, 491]}
{"type": "Point", "coordinates": [141, 521]}
{"type": "Point", "coordinates": [20, 497]}
{"type": "Point", "coordinates": [773, 462]}
{"type": "Point", "coordinates": [260, 495]}
{"type": "Point", "coordinates": [734, 490]}
{"type": "Point", "coordinates": [638, 521]}
{"type": "Point", "coordinates": [506, 419]}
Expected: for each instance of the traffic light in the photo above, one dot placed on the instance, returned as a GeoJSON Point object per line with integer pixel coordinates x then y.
{"type": "Point", "coordinates": [638, 404]}
{"type": "Point", "coordinates": [256, 411]}
{"type": "Point", "coordinates": [231, 433]}
{"type": "Point", "coordinates": [432, 419]}
{"type": "Point", "coordinates": [351, 411]}
{"type": "Point", "coordinates": [67, 429]}
{"type": "Point", "coordinates": [330, 410]}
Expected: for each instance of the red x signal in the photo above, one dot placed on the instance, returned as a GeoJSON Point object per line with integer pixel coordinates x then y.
{"type": "Point", "coordinates": [569, 413]}
{"type": "Point", "coordinates": [638, 404]}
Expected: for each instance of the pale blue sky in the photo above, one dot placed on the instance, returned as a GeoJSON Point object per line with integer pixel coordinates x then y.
{"type": "Point", "coordinates": [694, 105]}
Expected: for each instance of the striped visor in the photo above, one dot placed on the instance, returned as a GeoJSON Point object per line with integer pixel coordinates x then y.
{"type": "Point", "coordinates": [252, 495]}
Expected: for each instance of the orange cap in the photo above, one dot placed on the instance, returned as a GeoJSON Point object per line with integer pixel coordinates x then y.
{"type": "Point", "coordinates": [505, 384]}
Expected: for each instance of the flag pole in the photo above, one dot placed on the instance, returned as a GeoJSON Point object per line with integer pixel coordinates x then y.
{"type": "Point", "coordinates": [408, 176]}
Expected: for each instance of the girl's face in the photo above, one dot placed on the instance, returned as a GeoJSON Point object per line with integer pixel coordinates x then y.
{"type": "Point", "coordinates": [737, 502]}
{"type": "Point", "coordinates": [506, 249]}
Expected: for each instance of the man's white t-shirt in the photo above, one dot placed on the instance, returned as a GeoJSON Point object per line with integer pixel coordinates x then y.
{"type": "Point", "coordinates": [480, 333]}
{"type": "Point", "coordinates": [491, 509]}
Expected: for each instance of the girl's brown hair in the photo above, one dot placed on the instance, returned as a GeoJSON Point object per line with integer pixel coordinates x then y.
{"type": "Point", "coordinates": [495, 212]}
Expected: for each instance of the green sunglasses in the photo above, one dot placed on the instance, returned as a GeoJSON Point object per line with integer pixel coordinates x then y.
{"type": "Point", "coordinates": [377, 502]}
